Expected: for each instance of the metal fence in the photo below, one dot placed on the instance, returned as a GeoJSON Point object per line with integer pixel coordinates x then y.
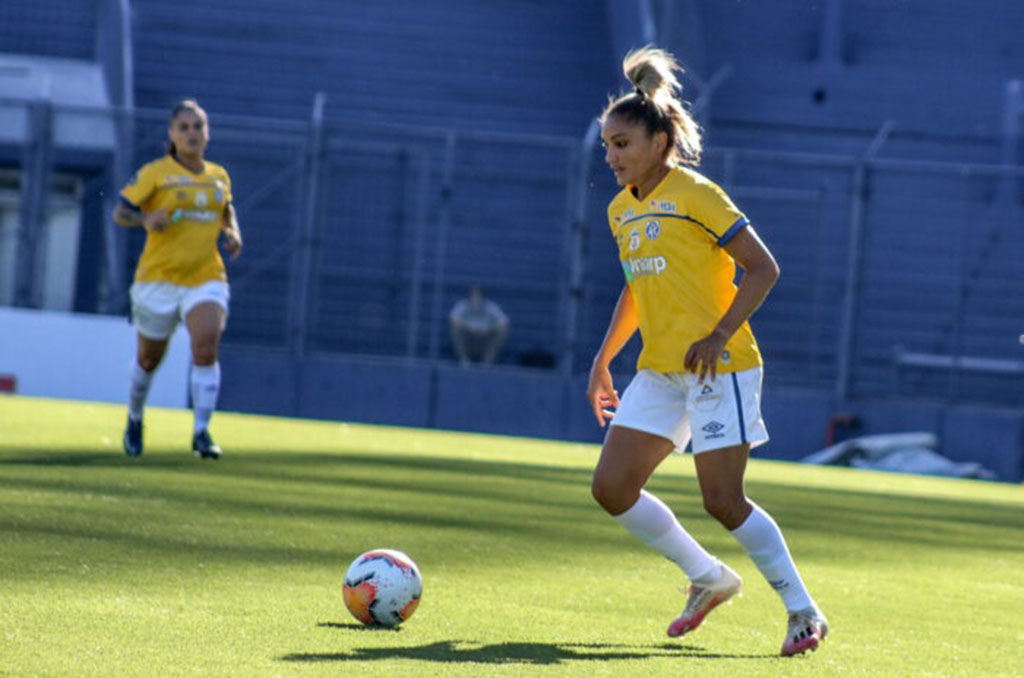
{"type": "Point", "coordinates": [899, 277]}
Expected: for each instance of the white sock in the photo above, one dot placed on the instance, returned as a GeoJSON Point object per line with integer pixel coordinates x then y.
{"type": "Point", "coordinates": [762, 539]}
{"type": "Point", "coordinates": [655, 524]}
{"type": "Point", "coordinates": [140, 381]}
{"type": "Point", "coordinates": [205, 384]}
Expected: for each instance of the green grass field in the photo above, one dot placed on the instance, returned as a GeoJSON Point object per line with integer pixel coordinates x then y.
{"type": "Point", "coordinates": [167, 565]}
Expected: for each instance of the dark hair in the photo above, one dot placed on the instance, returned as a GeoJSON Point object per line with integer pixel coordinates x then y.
{"type": "Point", "coordinates": [181, 106]}
{"type": "Point", "coordinates": [655, 105]}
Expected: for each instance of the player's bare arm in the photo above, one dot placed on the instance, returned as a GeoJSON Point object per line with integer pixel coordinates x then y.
{"type": "Point", "coordinates": [156, 220]}
{"type": "Point", "coordinates": [760, 271]}
{"type": "Point", "coordinates": [232, 234]}
{"type": "Point", "coordinates": [601, 391]}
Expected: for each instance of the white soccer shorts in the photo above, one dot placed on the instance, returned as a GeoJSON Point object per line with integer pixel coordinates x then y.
{"type": "Point", "coordinates": [158, 307]}
{"type": "Point", "coordinates": [712, 415]}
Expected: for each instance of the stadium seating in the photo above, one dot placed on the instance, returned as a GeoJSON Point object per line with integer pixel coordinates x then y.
{"type": "Point", "coordinates": [505, 90]}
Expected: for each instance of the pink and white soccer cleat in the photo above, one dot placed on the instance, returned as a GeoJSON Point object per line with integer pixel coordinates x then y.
{"type": "Point", "coordinates": [807, 628]}
{"type": "Point", "coordinates": [703, 599]}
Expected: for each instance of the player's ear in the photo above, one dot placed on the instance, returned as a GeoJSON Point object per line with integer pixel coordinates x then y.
{"type": "Point", "coordinates": [661, 140]}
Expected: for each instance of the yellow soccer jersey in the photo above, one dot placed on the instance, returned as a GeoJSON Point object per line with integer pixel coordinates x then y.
{"type": "Point", "coordinates": [681, 277]}
{"type": "Point", "coordinates": [185, 253]}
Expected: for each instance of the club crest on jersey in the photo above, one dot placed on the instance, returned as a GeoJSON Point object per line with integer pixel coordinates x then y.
{"type": "Point", "coordinates": [201, 199]}
{"type": "Point", "coordinates": [634, 240]}
{"type": "Point", "coordinates": [218, 193]}
{"type": "Point", "coordinates": [653, 230]}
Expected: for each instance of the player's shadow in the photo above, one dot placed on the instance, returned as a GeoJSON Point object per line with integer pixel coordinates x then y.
{"type": "Point", "coordinates": [449, 651]}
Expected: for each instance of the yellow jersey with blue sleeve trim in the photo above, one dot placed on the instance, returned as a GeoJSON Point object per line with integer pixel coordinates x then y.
{"type": "Point", "coordinates": [671, 245]}
{"type": "Point", "coordinates": [185, 252]}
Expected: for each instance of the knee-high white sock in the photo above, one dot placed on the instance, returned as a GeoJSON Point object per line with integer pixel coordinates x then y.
{"type": "Point", "coordinates": [140, 381]}
{"type": "Point", "coordinates": [205, 384]}
{"type": "Point", "coordinates": [655, 524]}
{"type": "Point", "coordinates": [762, 539]}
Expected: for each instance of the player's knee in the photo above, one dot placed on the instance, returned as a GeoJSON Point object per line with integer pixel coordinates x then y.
{"type": "Point", "coordinates": [612, 496]}
{"type": "Point", "coordinates": [149, 361]}
{"type": "Point", "coordinates": [723, 506]}
{"type": "Point", "coordinates": [204, 353]}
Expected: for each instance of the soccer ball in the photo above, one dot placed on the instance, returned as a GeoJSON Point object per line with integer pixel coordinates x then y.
{"type": "Point", "coordinates": [382, 587]}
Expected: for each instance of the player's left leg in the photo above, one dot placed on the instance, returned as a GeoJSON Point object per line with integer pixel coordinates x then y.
{"type": "Point", "coordinates": [721, 474]}
{"type": "Point", "coordinates": [205, 322]}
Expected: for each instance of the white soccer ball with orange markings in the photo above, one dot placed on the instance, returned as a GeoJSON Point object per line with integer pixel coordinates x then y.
{"type": "Point", "coordinates": [382, 587]}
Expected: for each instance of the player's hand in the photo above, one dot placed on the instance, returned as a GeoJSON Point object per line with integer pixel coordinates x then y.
{"type": "Point", "coordinates": [233, 242]}
{"type": "Point", "coordinates": [702, 356]}
{"type": "Point", "coordinates": [602, 394]}
{"type": "Point", "coordinates": [156, 220]}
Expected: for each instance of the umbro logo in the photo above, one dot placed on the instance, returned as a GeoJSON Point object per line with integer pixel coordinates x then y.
{"type": "Point", "coordinates": [712, 427]}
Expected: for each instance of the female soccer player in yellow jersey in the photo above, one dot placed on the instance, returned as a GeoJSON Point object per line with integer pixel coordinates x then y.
{"type": "Point", "coordinates": [698, 376]}
{"type": "Point", "coordinates": [184, 203]}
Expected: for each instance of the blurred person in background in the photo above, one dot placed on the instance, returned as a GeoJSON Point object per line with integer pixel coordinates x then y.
{"type": "Point", "coordinates": [478, 327]}
{"type": "Point", "coordinates": [698, 378]}
{"type": "Point", "coordinates": [184, 203]}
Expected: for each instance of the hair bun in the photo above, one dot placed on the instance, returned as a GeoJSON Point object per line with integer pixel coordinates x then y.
{"type": "Point", "coordinates": [651, 70]}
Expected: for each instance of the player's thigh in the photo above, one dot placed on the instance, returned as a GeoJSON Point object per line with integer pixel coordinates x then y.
{"type": "Point", "coordinates": [205, 309]}
{"type": "Point", "coordinates": [720, 472]}
{"type": "Point", "coordinates": [155, 310]}
{"type": "Point", "coordinates": [628, 458]}
{"type": "Point", "coordinates": [205, 323]}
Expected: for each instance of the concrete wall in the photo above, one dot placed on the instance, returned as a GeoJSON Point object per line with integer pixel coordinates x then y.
{"type": "Point", "coordinates": [543, 404]}
{"type": "Point", "coordinates": [87, 357]}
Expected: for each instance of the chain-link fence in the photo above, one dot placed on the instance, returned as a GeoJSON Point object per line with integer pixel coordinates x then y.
{"type": "Point", "coordinates": [898, 277]}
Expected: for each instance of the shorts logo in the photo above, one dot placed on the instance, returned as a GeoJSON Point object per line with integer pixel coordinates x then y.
{"type": "Point", "coordinates": [653, 230]}
{"type": "Point", "coordinates": [634, 241]}
{"type": "Point", "coordinates": [707, 400]}
{"type": "Point", "coordinates": [712, 428]}
{"type": "Point", "coordinates": [725, 356]}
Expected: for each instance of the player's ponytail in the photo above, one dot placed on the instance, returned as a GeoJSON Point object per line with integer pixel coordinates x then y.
{"type": "Point", "coordinates": [656, 105]}
{"type": "Point", "coordinates": [183, 105]}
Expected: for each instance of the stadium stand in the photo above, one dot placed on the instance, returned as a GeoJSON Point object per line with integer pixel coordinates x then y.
{"type": "Point", "coordinates": [387, 155]}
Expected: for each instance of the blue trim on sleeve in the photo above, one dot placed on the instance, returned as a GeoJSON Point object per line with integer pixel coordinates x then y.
{"type": "Point", "coordinates": [739, 407]}
{"type": "Point", "coordinates": [129, 204]}
{"type": "Point", "coordinates": [733, 230]}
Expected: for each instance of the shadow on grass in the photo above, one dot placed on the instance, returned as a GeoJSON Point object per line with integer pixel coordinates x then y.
{"type": "Point", "coordinates": [449, 651]}
{"type": "Point", "coordinates": [351, 626]}
{"type": "Point", "coordinates": [543, 500]}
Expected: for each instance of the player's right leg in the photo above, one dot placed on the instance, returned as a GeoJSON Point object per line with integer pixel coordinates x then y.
{"type": "Point", "coordinates": [628, 458]}
{"type": "Point", "coordinates": [150, 353]}
{"type": "Point", "coordinates": [154, 315]}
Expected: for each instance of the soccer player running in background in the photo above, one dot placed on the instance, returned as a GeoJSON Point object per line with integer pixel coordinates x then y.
{"type": "Point", "coordinates": [699, 374]}
{"type": "Point", "coordinates": [184, 203]}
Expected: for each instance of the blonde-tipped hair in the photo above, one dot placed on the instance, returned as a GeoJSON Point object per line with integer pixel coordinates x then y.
{"type": "Point", "coordinates": [656, 103]}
